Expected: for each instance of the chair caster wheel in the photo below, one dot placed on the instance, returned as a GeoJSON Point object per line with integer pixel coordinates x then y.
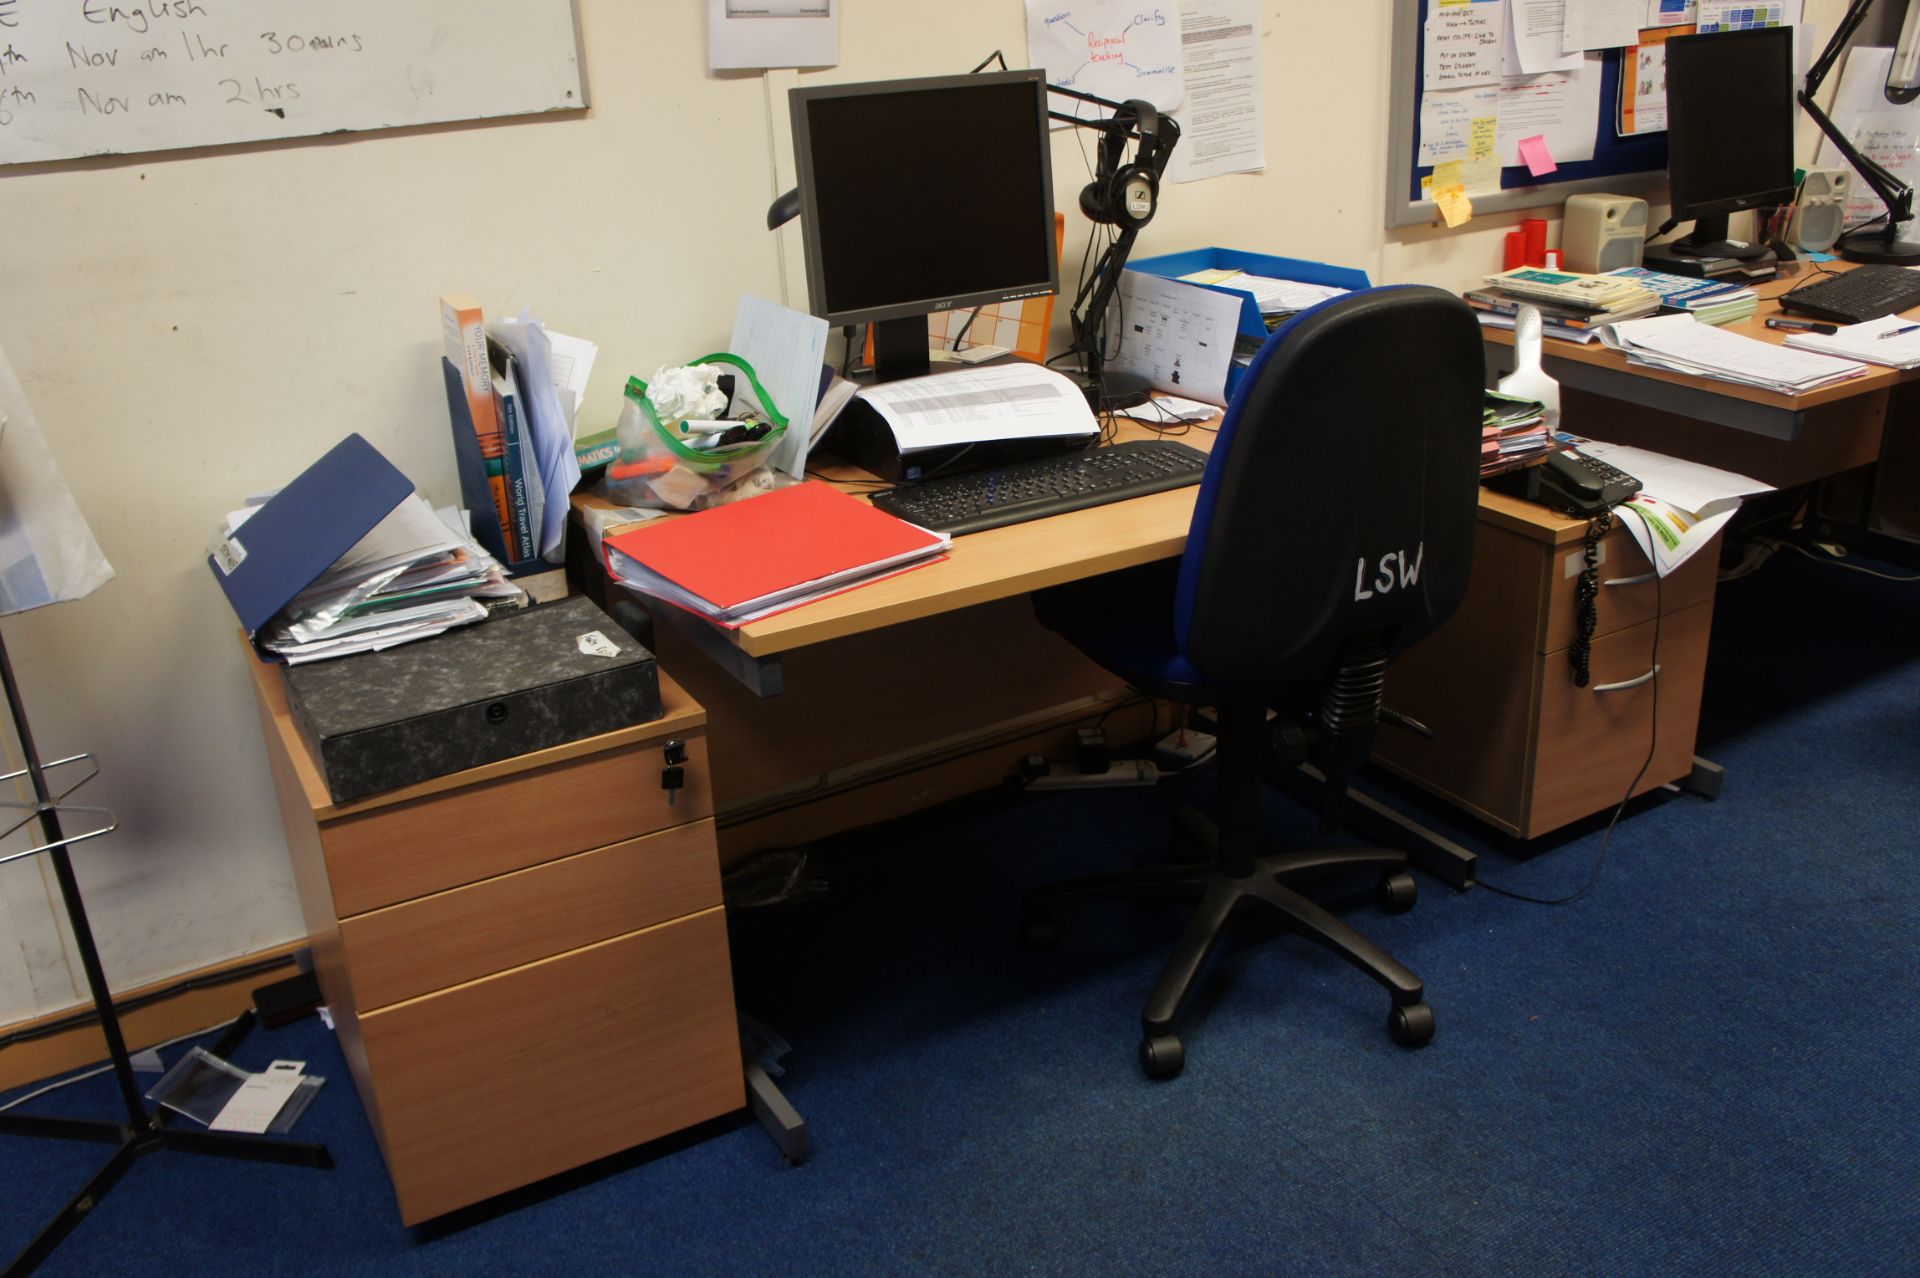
{"type": "Point", "coordinates": [1161, 1056]}
{"type": "Point", "coordinates": [1037, 932]}
{"type": "Point", "coordinates": [1398, 892]}
{"type": "Point", "coordinates": [1410, 1026]}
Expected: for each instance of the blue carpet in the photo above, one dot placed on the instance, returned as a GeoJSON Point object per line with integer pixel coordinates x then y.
{"type": "Point", "coordinates": [1703, 1066]}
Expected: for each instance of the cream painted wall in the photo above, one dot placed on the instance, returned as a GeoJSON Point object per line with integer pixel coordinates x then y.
{"type": "Point", "coordinates": [194, 326]}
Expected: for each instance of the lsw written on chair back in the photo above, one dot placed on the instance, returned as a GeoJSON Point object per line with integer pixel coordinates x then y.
{"type": "Point", "coordinates": [1341, 495]}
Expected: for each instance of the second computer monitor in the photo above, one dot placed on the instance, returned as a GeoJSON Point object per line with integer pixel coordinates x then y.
{"type": "Point", "coordinates": [918, 196]}
{"type": "Point", "coordinates": [1730, 111]}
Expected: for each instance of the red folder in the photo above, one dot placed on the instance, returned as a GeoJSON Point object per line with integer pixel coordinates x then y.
{"type": "Point", "coordinates": [756, 556]}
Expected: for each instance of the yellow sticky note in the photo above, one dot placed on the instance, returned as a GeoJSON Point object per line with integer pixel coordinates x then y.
{"type": "Point", "coordinates": [1455, 207]}
{"type": "Point", "coordinates": [1481, 176]}
{"type": "Point", "coordinates": [1448, 174]}
{"type": "Point", "coordinates": [1480, 135]}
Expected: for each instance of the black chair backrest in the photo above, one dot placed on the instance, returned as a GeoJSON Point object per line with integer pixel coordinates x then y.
{"type": "Point", "coordinates": [1342, 493]}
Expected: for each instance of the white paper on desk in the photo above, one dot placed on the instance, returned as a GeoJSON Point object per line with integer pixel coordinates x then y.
{"type": "Point", "coordinates": [1178, 336]}
{"type": "Point", "coordinates": [1683, 344]}
{"type": "Point", "coordinates": [1563, 108]}
{"type": "Point", "coordinates": [749, 34]}
{"type": "Point", "coordinates": [1115, 49]}
{"type": "Point", "coordinates": [1278, 297]}
{"type": "Point", "coordinates": [1533, 38]}
{"type": "Point", "coordinates": [1220, 63]}
{"type": "Point", "coordinates": [1700, 490]}
{"type": "Point", "coordinates": [1600, 24]}
{"type": "Point", "coordinates": [976, 405]}
{"type": "Point", "coordinates": [1867, 341]}
{"type": "Point", "coordinates": [786, 348]}
{"type": "Point", "coordinates": [547, 423]}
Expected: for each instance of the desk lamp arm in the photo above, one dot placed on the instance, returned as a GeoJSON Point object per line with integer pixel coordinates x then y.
{"type": "Point", "coordinates": [1894, 193]}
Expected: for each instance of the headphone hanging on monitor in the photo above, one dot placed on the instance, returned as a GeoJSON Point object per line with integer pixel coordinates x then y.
{"type": "Point", "coordinates": [1126, 195]}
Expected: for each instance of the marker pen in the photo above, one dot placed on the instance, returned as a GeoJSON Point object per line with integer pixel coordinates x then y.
{"type": "Point", "coordinates": [1810, 326]}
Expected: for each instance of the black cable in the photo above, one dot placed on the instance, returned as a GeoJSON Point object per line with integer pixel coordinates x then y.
{"type": "Point", "coordinates": [1653, 744]}
{"type": "Point", "coordinates": [89, 1016]}
{"type": "Point", "coordinates": [1586, 596]}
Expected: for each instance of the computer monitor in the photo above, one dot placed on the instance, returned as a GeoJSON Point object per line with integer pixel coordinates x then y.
{"type": "Point", "coordinates": [1730, 111]}
{"type": "Point", "coordinates": [920, 196]}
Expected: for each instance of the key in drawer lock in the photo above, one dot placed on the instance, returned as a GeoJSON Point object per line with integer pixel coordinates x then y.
{"type": "Point", "coordinates": [673, 776]}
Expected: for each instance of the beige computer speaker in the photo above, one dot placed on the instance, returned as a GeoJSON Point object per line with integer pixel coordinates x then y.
{"type": "Point", "coordinates": [1603, 232]}
{"type": "Point", "coordinates": [1822, 213]}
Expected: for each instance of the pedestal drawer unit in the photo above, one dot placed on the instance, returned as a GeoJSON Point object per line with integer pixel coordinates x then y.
{"type": "Point", "coordinates": [526, 962]}
{"type": "Point", "coordinates": [1515, 741]}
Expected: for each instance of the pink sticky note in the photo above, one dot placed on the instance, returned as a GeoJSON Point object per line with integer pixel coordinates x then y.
{"type": "Point", "coordinates": [1535, 154]}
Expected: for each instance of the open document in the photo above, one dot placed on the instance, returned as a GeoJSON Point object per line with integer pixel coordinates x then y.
{"type": "Point", "coordinates": [1681, 506]}
{"type": "Point", "coordinates": [1683, 344]}
{"type": "Point", "coordinates": [980, 405]}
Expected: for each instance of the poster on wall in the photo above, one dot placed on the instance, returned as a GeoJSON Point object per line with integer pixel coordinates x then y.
{"type": "Point", "coordinates": [755, 34]}
{"type": "Point", "coordinates": [1107, 48]}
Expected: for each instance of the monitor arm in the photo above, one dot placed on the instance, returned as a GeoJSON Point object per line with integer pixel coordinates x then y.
{"type": "Point", "coordinates": [1153, 146]}
{"type": "Point", "coordinates": [1894, 193]}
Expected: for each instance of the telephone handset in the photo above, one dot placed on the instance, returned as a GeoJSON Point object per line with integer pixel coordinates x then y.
{"type": "Point", "coordinates": [1576, 484]}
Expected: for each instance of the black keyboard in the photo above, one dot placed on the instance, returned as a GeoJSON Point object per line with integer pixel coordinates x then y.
{"type": "Point", "coordinates": [1051, 486]}
{"type": "Point", "coordinates": [1864, 293]}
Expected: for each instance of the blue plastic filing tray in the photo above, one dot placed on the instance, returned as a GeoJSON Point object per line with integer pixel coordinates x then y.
{"type": "Point", "coordinates": [1174, 265]}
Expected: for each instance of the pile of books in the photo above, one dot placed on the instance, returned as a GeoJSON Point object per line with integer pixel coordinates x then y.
{"type": "Point", "coordinates": [1513, 433]}
{"type": "Point", "coordinates": [1709, 301]}
{"type": "Point", "coordinates": [1572, 306]}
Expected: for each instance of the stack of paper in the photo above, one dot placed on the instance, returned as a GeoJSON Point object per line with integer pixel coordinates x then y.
{"type": "Point", "coordinates": [749, 559]}
{"type": "Point", "coordinates": [1681, 504]}
{"type": "Point", "coordinates": [1889, 340]}
{"type": "Point", "coordinates": [415, 575]}
{"type": "Point", "coordinates": [1682, 344]}
{"type": "Point", "coordinates": [1713, 301]}
{"type": "Point", "coordinates": [1513, 433]}
{"type": "Point", "coordinates": [1276, 298]}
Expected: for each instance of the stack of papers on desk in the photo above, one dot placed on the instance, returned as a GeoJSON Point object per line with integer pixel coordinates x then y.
{"type": "Point", "coordinates": [1713, 301]}
{"type": "Point", "coordinates": [1682, 344]}
{"type": "Point", "coordinates": [1513, 433]}
{"type": "Point", "coordinates": [750, 559]}
{"type": "Point", "coordinates": [1889, 340]}
{"type": "Point", "coordinates": [412, 577]}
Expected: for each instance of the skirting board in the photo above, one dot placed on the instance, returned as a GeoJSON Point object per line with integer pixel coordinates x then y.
{"type": "Point", "coordinates": [37, 1058]}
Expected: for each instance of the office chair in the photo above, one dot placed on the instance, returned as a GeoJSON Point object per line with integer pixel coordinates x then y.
{"type": "Point", "coordinates": [1334, 527]}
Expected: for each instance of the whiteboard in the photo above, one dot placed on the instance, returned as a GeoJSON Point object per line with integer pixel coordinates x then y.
{"type": "Point", "coordinates": [106, 77]}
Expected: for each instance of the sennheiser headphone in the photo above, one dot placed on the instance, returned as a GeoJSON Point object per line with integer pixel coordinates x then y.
{"type": "Point", "coordinates": [1126, 195]}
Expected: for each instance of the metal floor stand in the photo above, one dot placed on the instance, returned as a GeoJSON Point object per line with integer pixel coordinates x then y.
{"type": "Point", "coordinates": [143, 1131]}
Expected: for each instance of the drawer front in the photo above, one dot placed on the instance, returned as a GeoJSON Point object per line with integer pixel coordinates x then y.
{"type": "Point", "coordinates": [442, 841]}
{"type": "Point", "coordinates": [1628, 594]}
{"type": "Point", "coordinates": [1592, 740]}
{"type": "Point", "coordinates": [423, 945]}
{"type": "Point", "coordinates": [507, 1080]}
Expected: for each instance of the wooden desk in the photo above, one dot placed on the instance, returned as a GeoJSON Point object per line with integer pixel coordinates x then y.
{"type": "Point", "coordinates": [1782, 439]}
{"type": "Point", "coordinates": [913, 690]}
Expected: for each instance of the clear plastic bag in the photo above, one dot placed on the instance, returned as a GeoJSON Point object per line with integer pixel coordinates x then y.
{"type": "Point", "coordinates": [200, 1084]}
{"type": "Point", "coordinates": [674, 465]}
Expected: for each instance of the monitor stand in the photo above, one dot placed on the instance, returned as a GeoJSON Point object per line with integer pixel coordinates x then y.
{"type": "Point", "coordinates": [1708, 253]}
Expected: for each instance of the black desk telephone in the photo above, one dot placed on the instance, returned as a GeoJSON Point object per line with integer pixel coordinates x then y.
{"type": "Point", "coordinates": [1573, 483]}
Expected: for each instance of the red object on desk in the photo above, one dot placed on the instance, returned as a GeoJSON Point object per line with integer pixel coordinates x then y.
{"type": "Point", "coordinates": [1515, 255]}
{"type": "Point", "coordinates": [789, 546]}
{"type": "Point", "coordinates": [1535, 229]}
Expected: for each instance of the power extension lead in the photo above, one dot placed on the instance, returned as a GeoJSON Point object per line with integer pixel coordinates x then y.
{"type": "Point", "coordinates": [1123, 772]}
{"type": "Point", "coordinates": [1174, 754]}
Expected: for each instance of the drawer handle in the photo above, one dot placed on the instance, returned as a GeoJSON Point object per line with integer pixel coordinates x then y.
{"type": "Point", "coordinates": [1641, 580]}
{"type": "Point", "coordinates": [1624, 684]}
